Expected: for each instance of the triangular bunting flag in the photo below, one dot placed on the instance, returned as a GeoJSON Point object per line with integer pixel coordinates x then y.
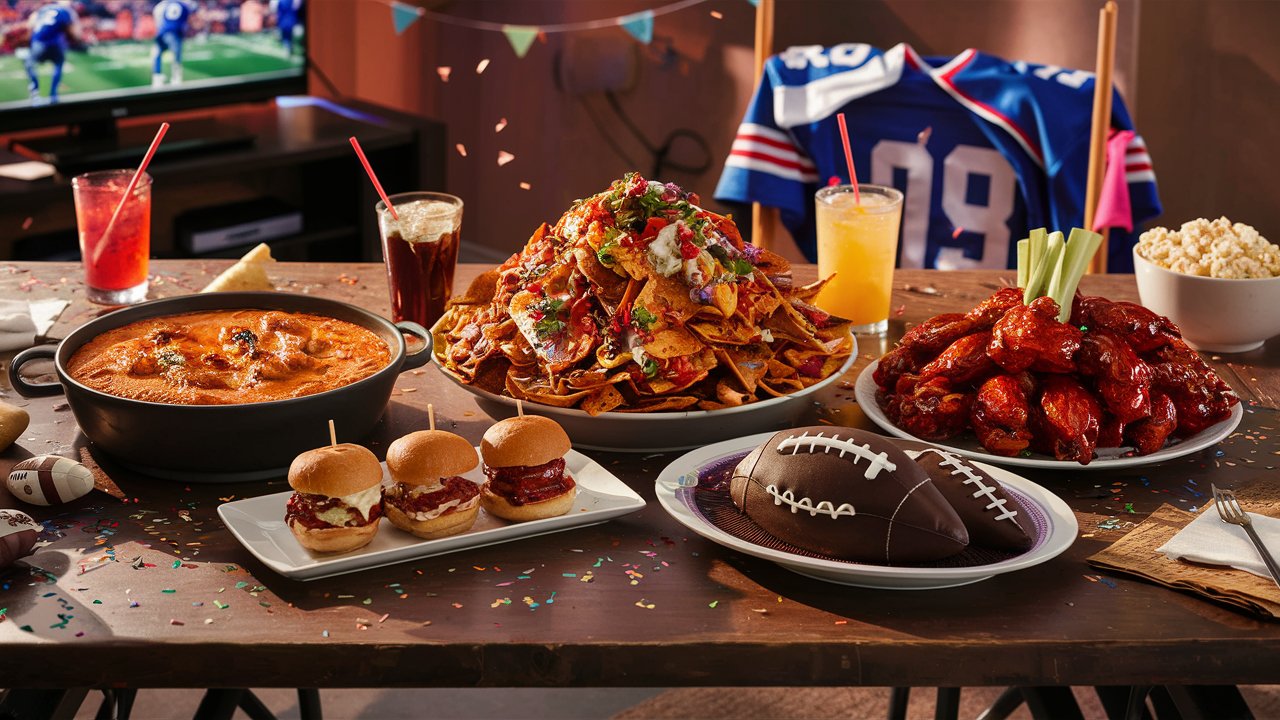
{"type": "Point", "coordinates": [639, 25]}
{"type": "Point", "coordinates": [404, 15]}
{"type": "Point", "coordinates": [520, 37]}
{"type": "Point", "coordinates": [755, 3]}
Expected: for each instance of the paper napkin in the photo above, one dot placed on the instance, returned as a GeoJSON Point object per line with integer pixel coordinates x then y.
{"type": "Point", "coordinates": [1209, 540]}
{"type": "Point", "coordinates": [21, 321]}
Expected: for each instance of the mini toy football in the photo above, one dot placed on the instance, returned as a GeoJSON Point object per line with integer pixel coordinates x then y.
{"type": "Point", "coordinates": [848, 494]}
{"type": "Point", "coordinates": [994, 518]}
{"type": "Point", "coordinates": [18, 533]}
{"type": "Point", "coordinates": [49, 480]}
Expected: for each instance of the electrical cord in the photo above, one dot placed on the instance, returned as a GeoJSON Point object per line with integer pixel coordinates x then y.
{"type": "Point", "coordinates": [660, 153]}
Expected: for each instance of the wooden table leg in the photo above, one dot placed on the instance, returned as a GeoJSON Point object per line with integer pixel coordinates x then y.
{"type": "Point", "coordinates": [948, 705]}
{"type": "Point", "coordinates": [309, 704]}
{"type": "Point", "coordinates": [898, 699]}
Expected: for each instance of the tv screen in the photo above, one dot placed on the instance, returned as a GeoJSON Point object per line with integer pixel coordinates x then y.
{"type": "Point", "coordinates": [135, 54]}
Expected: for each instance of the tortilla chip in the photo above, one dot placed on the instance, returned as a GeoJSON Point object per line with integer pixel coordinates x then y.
{"type": "Point", "coordinates": [678, 402]}
{"type": "Point", "coordinates": [748, 364]}
{"type": "Point", "coordinates": [248, 274]}
{"type": "Point", "coordinates": [672, 342]}
{"type": "Point", "coordinates": [603, 400]}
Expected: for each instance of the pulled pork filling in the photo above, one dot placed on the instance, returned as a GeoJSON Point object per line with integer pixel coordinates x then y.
{"type": "Point", "coordinates": [318, 512]}
{"type": "Point", "coordinates": [525, 484]}
{"type": "Point", "coordinates": [457, 493]}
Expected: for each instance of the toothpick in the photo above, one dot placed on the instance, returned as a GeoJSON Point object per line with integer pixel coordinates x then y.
{"type": "Point", "coordinates": [333, 434]}
{"type": "Point", "coordinates": [431, 416]}
{"type": "Point", "coordinates": [519, 407]}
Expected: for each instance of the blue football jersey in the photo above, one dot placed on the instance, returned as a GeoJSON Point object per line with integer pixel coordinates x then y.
{"type": "Point", "coordinates": [52, 22]}
{"type": "Point", "coordinates": [172, 16]}
{"type": "Point", "coordinates": [983, 149]}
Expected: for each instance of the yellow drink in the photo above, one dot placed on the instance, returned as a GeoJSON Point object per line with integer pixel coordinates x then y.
{"type": "Point", "coordinates": [858, 244]}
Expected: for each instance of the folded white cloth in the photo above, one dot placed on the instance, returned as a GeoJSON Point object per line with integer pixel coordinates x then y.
{"type": "Point", "coordinates": [22, 321]}
{"type": "Point", "coordinates": [1208, 539]}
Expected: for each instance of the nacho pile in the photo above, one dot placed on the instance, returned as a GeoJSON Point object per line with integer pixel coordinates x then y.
{"type": "Point", "coordinates": [638, 300]}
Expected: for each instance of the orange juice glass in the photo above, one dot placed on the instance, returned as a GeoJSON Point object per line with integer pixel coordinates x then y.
{"type": "Point", "coordinates": [858, 242]}
{"type": "Point", "coordinates": [115, 266]}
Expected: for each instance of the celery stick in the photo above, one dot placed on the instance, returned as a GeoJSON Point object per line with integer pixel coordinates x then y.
{"type": "Point", "coordinates": [1035, 257]}
{"type": "Point", "coordinates": [1024, 266]}
{"type": "Point", "coordinates": [1045, 266]}
{"type": "Point", "coordinates": [1054, 282]}
{"type": "Point", "coordinates": [1080, 250]}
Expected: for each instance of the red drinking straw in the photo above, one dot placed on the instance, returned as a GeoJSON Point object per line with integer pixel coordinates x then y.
{"type": "Point", "coordinates": [848, 158]}
{"type": "Point", "coordinates": [376, 185]}
{"type": "Point", "coordinates": [128, 191]}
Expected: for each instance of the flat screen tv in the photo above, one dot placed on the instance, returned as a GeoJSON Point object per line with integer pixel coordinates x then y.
{"type": "Point", "coordinates": [86, 63]}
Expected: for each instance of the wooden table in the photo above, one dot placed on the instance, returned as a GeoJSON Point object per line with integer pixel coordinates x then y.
{"type": "Point", "coordinates": [638, 601]}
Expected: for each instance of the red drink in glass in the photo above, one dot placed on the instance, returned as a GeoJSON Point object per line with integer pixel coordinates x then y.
{"type": "Point", "coordinates": [421, 252]}
{"type": "Point", "coordinates": [115, 265]}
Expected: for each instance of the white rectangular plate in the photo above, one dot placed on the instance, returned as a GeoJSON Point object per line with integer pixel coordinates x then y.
{"type": "Point", "coordinates": [258, 523]}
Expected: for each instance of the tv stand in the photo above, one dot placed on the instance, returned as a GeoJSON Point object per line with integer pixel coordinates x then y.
{"type": "Point", "coordinates": [294, 154]}
{"type": "Point", "coordinates": [98, 144]}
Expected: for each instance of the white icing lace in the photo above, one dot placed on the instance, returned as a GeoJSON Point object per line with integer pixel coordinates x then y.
{"type": "Point", "coordinates": [822, 508]}
{"type": "Point", "coordinates": [811, 443]}
{"type": "Point", "coordinates": [951, 460]}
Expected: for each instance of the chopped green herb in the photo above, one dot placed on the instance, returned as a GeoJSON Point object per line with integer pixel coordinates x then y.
{"type": "Point", "coordinates": [650, 368]}
{"type": "Point", "coordinates": [605, 253]}
{"type": "Point", "coordinates": [170, 358]}
{"type": "Point", "coordinates": [740, 266]}
{"type": "Point", "coordinates": [642, 318]}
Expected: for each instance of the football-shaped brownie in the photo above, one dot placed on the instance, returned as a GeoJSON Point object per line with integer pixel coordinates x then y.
{"type": "Point", "coordinates": [994, 518]}
{"type": "Point", "coordinates": [848, 494]}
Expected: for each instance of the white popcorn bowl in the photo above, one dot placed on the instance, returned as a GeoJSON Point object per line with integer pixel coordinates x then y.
{"type": "Point", "coordinates": [1215, 314]}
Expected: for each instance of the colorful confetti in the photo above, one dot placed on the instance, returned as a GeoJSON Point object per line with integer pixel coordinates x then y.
{"type": "Point", "coordinates": [480, 66]}
{"type": "Point", "coordinates": [444, 71]}
{"type": "Point", "coordinates": [504, 157]}
{"type": "Point", "coordinates": [462, 149]}
{"type": "Point", "coordinates": [502, 125]}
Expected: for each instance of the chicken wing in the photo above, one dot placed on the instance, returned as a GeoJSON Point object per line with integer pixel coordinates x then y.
{"type": "Point", "coordinates": [933, 335]}
{"type": "Point", "coordinates": [932, 410]}
{"type": "Point", "coordinates": [987, 312]}
{"type": "Point", "coordinates": [1000, 415]}
{"type": "Point", "coordinates": [1141, 328]}
{"type": "Point", "coordinates": [1122, 378]}
{"type": "Point", "coordinates": [1149, 434]}
{"type": "Point", "coordinates": [1067, 420]}
{"type": "Point", "coordinates": [1199, 395]}
{"type": "Point", "coordinates": [1030, 336]}
{"type": "Point", "coordinates": [897, 362]}
{"type": "Point", "coordinates": [964, 361]}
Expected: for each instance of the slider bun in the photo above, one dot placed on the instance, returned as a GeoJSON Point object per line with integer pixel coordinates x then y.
{"type": "Point", "coordinates": [527, 440]}
{"type": "Point", "coordinates": [450, 523]}
{"type": "Point", "coordinates": [495, 504]}
{"type": "Point", "coordinates": [423, 457]}
{"type": "Point", "coordinates": [335, 470]}
{"type": "Point", "coordinates": [335, 539]}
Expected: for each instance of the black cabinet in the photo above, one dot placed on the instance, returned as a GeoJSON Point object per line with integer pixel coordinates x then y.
{"type": "Point", "coordinates": [299, 158]}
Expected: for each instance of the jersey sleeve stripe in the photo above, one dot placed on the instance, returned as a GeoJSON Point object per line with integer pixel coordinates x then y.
{"type": "Point", "coordinates": [1136, 159]}
{"type": "Point", "coordinates": [769, 166]}
{"type": "Point", "coordinates": [787, 164]}
{"type": "Point", "coordinates": [764, 131]}
{"type": "Point", "coordinates": [786, 156]}
{"type": "Point", "coordinates": [764, 142]}
{"type": "Point", "coordinates": [1136, 167]}
{"type": "Point", "coordinates": [1141, 176]}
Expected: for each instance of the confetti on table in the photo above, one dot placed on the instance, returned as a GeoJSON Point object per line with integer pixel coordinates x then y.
{"type": "Point", "coordinates": [168, 591]}
{"type": "Point", "coordinates": [457, 605]}
{"type": "Point", "coordinates": [480, 66]}
{"type": "Point", "coordinates": [444, 71]}
{"type": "Point", "coordinates": [504, 157]}
{"type": "Point", "coordinates": [175, 621]}
{"type": "Point", "coordinates": [502, 125]}
{"type": "Point", "coordinates": [221, 605]}
{"type": "Point", "coordinates": [842, 622]}
{"type": "Point", "coordinates": [713, 603]}
{"type": "Point", "coordinates": [642, 603]}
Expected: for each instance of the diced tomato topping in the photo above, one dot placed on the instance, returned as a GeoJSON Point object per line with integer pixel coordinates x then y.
{"type": "Point", "coordinates": [811, 367]}
{"type": "Point", "coordinates": [535, 288]}
{"type": "Point", "coordinates": [652, 227]}
{"type": "Point", "coordinates": [680, 370]}
{"type": "Point", "coordinates": [688, 250]}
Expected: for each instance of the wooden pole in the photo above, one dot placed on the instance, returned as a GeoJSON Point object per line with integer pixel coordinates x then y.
{"type": "Point", "coordinates": [763, 218]}
{"type": "Point", "coordinates": [1101, 126]}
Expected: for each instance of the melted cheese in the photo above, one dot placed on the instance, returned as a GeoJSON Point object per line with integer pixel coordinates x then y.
{"type": "Point", "coordinates": [664, 251]}
{"type": "Point", "coordinates": [362, 501]}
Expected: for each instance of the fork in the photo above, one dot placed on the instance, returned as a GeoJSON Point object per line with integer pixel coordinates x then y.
{"type": "Point", "coordinates": [1230, 511]}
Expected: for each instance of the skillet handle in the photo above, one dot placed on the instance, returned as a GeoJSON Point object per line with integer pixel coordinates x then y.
{"type": "Point", "coordinates": [423, 356]}
{"type": "Point", "coordinates": [30, 389]}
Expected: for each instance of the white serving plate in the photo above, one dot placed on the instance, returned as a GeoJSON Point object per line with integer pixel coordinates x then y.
{"type": "Point", "coordinates": [1056, 529]}
{"type": "Point", "coordinates": [258, 523]}
{"type": "Point", "coordinates": [1107, 458]}
{"type": "Point", "coordinates": [661, 431]}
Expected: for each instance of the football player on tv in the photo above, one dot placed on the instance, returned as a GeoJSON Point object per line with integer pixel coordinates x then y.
{"type": "Point", "coordinates": [53, 26]}
{"type": "Point", "coordinates": [288, 18]}
{"type": "Point", "coordinates": [171, 17]}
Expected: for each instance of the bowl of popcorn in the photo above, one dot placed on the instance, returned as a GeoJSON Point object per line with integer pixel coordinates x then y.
{"type": "Point", "coordinates": [1218, 280]}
